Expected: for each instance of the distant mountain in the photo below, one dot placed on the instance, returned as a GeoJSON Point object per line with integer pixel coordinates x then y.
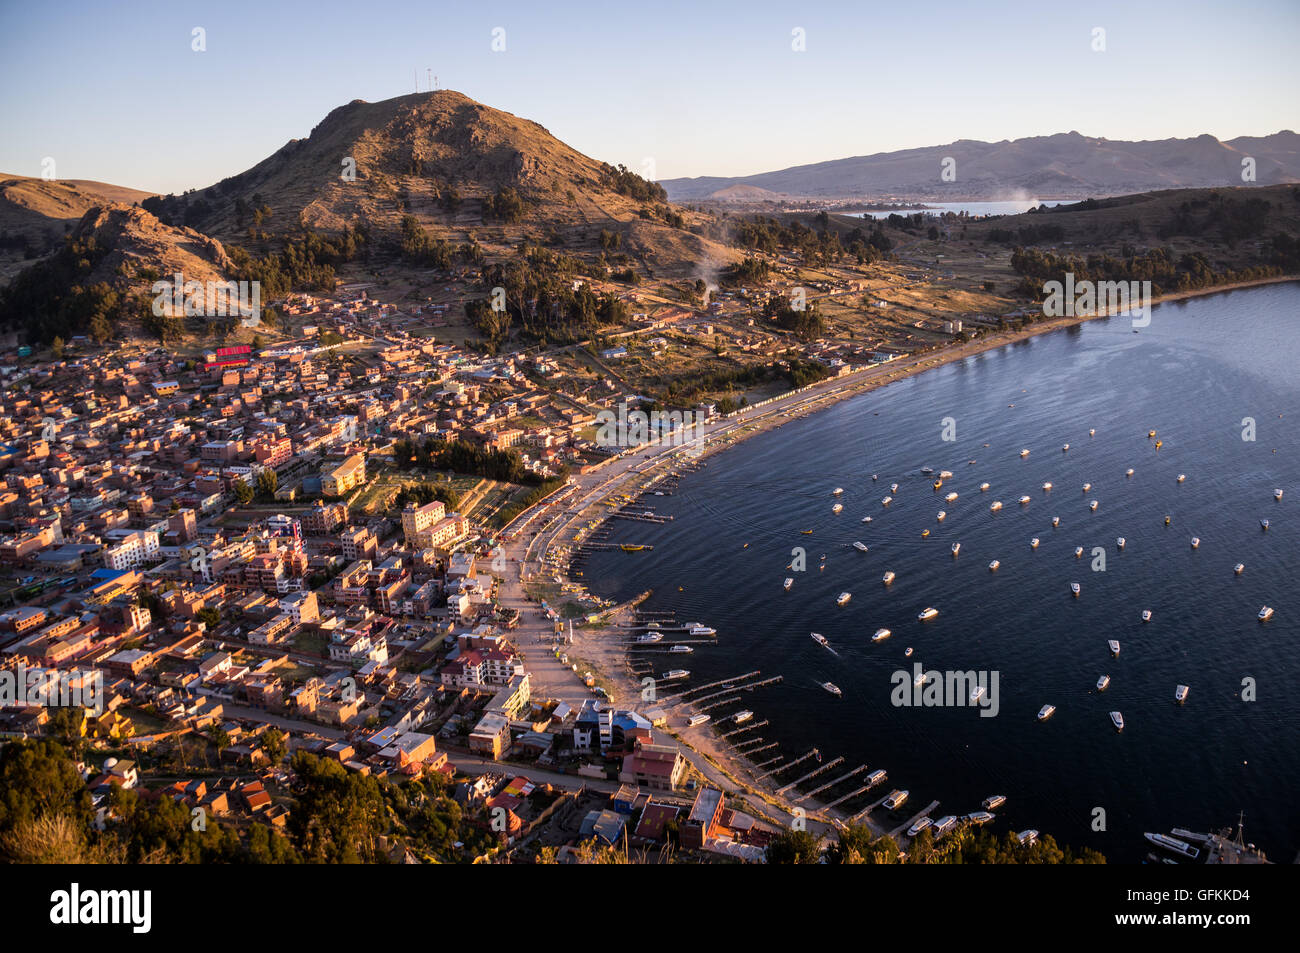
{"type": "Point", "coordinates": [1066, 165]}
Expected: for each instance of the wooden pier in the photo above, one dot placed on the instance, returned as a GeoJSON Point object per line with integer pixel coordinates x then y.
{"type": "Point", "coordinates": [916, 817]}
{"type": "Point", "coordinates": [789, 764]}
{"type": "Point", "coordinates": [830, 784]}
{"type": "Point", "coordinates": [811, 774]}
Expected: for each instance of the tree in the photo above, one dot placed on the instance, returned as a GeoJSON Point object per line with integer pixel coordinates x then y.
{"type": "Point", "coordinates": [793, 847]}
{"type": "Point", "coordinates": [210, 616]}
{"type": "Point", "coordinates": [273, 745]}
{"type": "Point", "coordinates": [267, 482]}
{"type": "Point", "coordinates": [243, 492]}
{"type": "Point", "coordinates": [57, 347]}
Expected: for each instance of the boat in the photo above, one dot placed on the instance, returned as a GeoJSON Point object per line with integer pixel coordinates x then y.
{"type": "Point", "coordinates": [696, 628]}
{"type": "Point", "coordinates": [1128, 472]}
{"type": "Point", "coordinates": [1075, 588]}
{"type": "Point", "coordinates": [1113, 645]}
{"type": "Point", "coordinates": [630, 547]}
{"type": "Point", "coordinates": [1047, 487]}
{"type": "Point", "coordinates": [888, 577]}
{"type": "Point", "coordinates": [837, 508]}
{"type": "Point", "coordinates": [896, 800]}
{"type": "Point", "coordinates": [1196, 541]}
{"type": "Point", "coordinates": [820, 639]}
{"type": "Point", "coordinates": [1182, 477]}
{"type": "Point", "coordinates": [886, 501]}
{"type": "Point", "coordinates": [925, 533]}
{"type": "Point", "coordinates": [945, 474]}
{"type": "Point", "coordinates": [880, 635]}
{"type": "Point", "coordinates": [1092, 505]}
{"type": "Point", "coordinates": [860, 546]}
{"type": "Point", "coordinates": [1033, 543]}
{"type": "Point", "coordinates": [1265, 613]}
{"type": "Point", "coordinates": [833, 689]}
{"type": "Point", "coordinates": [1239, 568]}
{"type": "Point", "coordinates": [1024, 453]}
{"type": "Point", "coordinates": [941, 515]}
{"type": "Point", "coordinates": [1168, 520]}
{"type": "Point", "coordinates": [676, 673]}
{"type": "Point", "coordinates": [837, 491]}
{"type": "Point", "coordinates": [979, 817]}
{"type": "Point", "coordinates": [995, 506]}
{"type": "Point", "coordinates": [1025, 838]}
{"type": "Point", "coordinates": [1103, 683]}
{"type": "Point", "coordinates": [681, 650]}
{"type": "Point", "coordinates": [950, 497]}
{"type": "Point", "coordinates": [1117, 720]}
{"type": "Point", "coordinates": [741, 717]}
{"type": "Point", "coordinates": [1092, 432]}
{"type": "Point", "coordinates": [1056, 521]}
{"type": "Point", "coordinates": [1150, 434]}
{"type": "Point", "coordinates": [875, 777]}
{"type": "Point", "coordinates": [937, 484]}
{"type": "Point", "coordinates": [927, 614]}
{"type": "Point", "coordinates": [789, 581]}
{"type": "Point", "coordinates": [650, 637]}
{"type": "Point", "coordinates": [696, 720]}
{"type": "Point", "coordinates": [944, 825]}
{"type": "Point", "coordinates": [976, 694]}
{"type": "Point", "coordinates": [926, 471]}
{"type": "Point", "coordinates": [843, 598]}
{"type": "Point", "coordinates": [920, 679]}
{"type": "Point", "coordinates": [1180, 693]}
{"type": "Point", "coordinates": [893, 488]}
{"type": "Point", "coordinates": [875, 476]}
{"type": "Point", "coordinates": [1119, 541]}
{"type": "Point", "coordinates": [984, 487]}
{"type": "Point", "coordinates": [1180, 847]}
{"type": "Point", "coordinates": [1277, 494]}
{"type": "Point", "coordinates": [1065, 448]}
{"type": "Point", "coordinates": [806, 532]}
{"type": "Point", "coordinates": [993, 566]}
{"type": "Point", "coordinates": [907, 652]}
{"type": "Point", "coordinates": [921, 824]}
{"type": "Point", "coordinates": [956, 548]}
{"type": "Point", "coordinates": [1046, 712]}
{"type": "Point", "coordinates": [1024, 500]}
{"type": "Point", "coordinates": [652, 625]}
{"type": "Point", "coordinates": [1159, 444]}
{"type": "Point", "coordinates": [866, 519]}
{"type": "Point", "coordinates": [1146, 615]}
{"type": "Point", "coordinates": [1263, 524]}
{"type": "Point", "coordinates": [994, 802]}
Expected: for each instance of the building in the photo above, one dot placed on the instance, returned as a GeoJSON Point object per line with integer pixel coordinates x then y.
{"type": "Point", "coordinates": [133, 551]}
{"type": "Point", "coordinates": [658, 767]}
{"type": "Point", "coordinates": [491, 736]}
{"type": "Point", "coordinates": [348, 475]}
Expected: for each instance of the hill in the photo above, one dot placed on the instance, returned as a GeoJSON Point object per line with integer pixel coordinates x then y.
{"type": "Point", "coordinates": [1067, 165]}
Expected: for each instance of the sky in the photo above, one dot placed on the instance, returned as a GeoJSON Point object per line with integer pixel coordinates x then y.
{"type": "Point", "coordinates": [114, 90]}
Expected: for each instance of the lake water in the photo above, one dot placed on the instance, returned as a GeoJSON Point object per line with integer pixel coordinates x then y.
{"type": "Point", "coordinates": [1194, 375]}
{"type": "Point", "coordinates": [970, 208]}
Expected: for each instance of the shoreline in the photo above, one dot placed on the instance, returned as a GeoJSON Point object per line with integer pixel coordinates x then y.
{"type": "Point", "coordinates": [602, 646]}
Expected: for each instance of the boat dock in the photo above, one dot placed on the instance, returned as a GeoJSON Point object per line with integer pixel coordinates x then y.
{"type": "Point", "coordinates": [902, 828]}
{"type": "Point", "coordinates": [812, 753]}
{"type": "Point", "coordinates": [811, 774]}
{"type": "Point", "coordinates": [830, 784]}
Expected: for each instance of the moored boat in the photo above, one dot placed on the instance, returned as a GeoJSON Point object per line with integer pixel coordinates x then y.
{"type": "Point", "coordinates": [1113, 645]}
{"type": "Point", "coordinates": [1103, 683]}
{"type": "Point", "coordinates": [832, 688]}
{"type": "Point", "coordinates": [994, 802]}
{"type": "Point", "coordinates": [843, 598]}
{"type": "Point", "coordinates": [1180, 693]}
{"type": "Point", "coordinates": [880, 635]}
{"type": "Point", "coordinates": [1046, 712]}
{"type": "Point", "coordinates": [927, 614]}
{"type": "Point", "coordinates": [1117, 720]}
{"type": "Point", "coordinates": [888, 577]}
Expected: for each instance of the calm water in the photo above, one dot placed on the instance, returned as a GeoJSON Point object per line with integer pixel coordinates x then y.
{"type": "Point", "coordinates": [972, 208]}
{"type": "Point", "coordinates": [1192, 375]}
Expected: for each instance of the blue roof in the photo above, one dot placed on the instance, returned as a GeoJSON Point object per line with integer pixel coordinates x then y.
{"type": "Point", "coordinates": [105, 574]}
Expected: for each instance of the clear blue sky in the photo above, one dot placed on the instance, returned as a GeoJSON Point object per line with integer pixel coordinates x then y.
{"type": "Point", "coordinates": [112, 90]}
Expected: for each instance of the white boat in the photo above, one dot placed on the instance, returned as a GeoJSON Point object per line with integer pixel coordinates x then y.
{"type": "Point", "coordinates": [995, 506]}
{"type": "Point", "coordinates": [941, 516]}
{"type": "Point", "coordinates": [1263, 524]}
{"type": "Point", "coordinates": [1078, 552]}
{"type": "Point", "coordinates": [1075, 588]}
{"type": "Point", "coordinates": [843, 598]}
{"type": "Point", "coordinates": [1092, 432]}
{"type": "Point", "coordinates": [956, 548]}
{"type": "Point", "coordinates": [1239, 568]}
{"type": "Point", "coordinates": [1265, 613]}
{"type": "Point", "coordinates": [993, 566]}
{"type": "Point", "coordinates": [1146, 615]}
{"type": "Point", "coordinates": [1056, 521]}
{"type": "Point", "coordinates": [866, 519]}
{"type": "Point", "coordinates": [1180, 693]}
{"type": "Point", "coordinates": [984, 487]}
{"type": "Point", "coordinates": [1120, 541]}
{"type": "Point", "coordinates": [696, 628]}
{"type": "Point", "coordinates": [886, 501]}
{"type": "Point", "coordinates": [920, 678]}
{"type": "Point", "coordinates": [888, 577]}
{"type": "Point", "coordinates": [860, 546]}
{"type": "Point", "coordinates": [1087, 487]}
{"type": "Point", "coordinates": [1047, 486]}
{"type": "Point", "coordinates": [950, 497]}
{"type": "Point", "coordinates": [945, 474]}
{"type": "Point", "coordinates": [880, 635]}
{"type": "Point", "coordinates": [820, 639]}
{"type": "Point", "coordinates": [1174, 844]}
{"type": "Point", "coordinates": [893, 488]}
{"type": "Point", "coordinates": [907, 652]}
{"type": "Point", "coordinates": [927, 614]}
{"type": "Point", "coordinates": [650, 637]}
{"type": "Point", "coordinates": [681, 650]}
{"type": "Point", "coordinates": [1182, 477]}
{"type": "Point", "coordinates": [1113, 646]}
{"type": "Point", "coordinates": [837, 491]}
{"type": "Point", "coordinates": [1065, 447]}
{"type": "Point", "coordinates": [994, 802]}
{"type": "Point", "coordinates": [1196, 541]}
{"type": "Point", "coordinates": [979, 817]}
{"type": "Point", "coordinates": [1277, 494]}
{"type": "Point", "coordinates": [1092, 505]}
{"type": "Point", "coordinates": [1024, 500]}
{"type": "Point", "coordinates": [1046, 712]}
{"type": "Point", "coordinates": [1025, 838]}
{"type": "Point", "coordinates": [1128, 472]}
{"type": "Point", "coordinates": [1033, 543]}
{"type": "Point", "coordinates": [1103, 683]}
{"type": "Point", "coordinates": [921, 824]}
{"type": "Point", "coordinates": [789, 581]}
{"type": "Point", "coordinates": [1024, 453]}
{"type": "Point", "coordinates": [741, 717]}
{"type": "Point", "coordinates": [1117, 720]}
{"type": "Point", "coordinates": [875, 476]}
{"type": "Point", "coordinates": [696, 720]}
{"type": "Point", "coordinates": [837, 508]}
{"type": "Point", "coordinates": [832, 688]}
{"type": "Point", "coordinates": [976, 694]}
{"type": "Point", "coordinates": [676, 673]}
{"type": "Point", "coordinates": [927, 470]}
{"type": "Point", "coordinates": [896, 800]}
{"type": "Point", "coordinates": [944, 825]}
{"type": "Point", "coordinates": [875, 777]}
